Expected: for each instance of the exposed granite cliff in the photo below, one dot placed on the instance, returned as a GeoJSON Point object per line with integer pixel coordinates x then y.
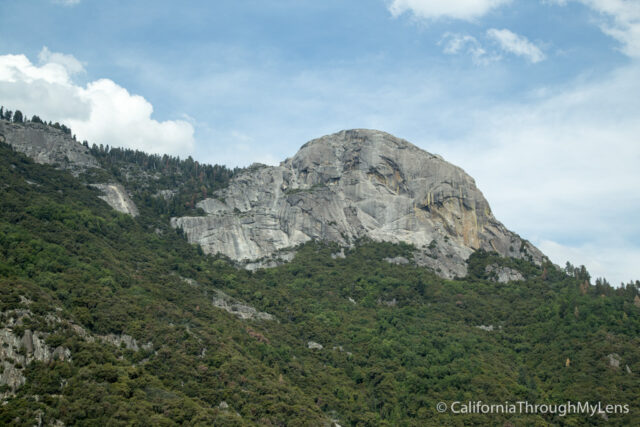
{"type": "Point", "coordinates": [350, 185]}
{"type": "Point", "coordinates": [116, 196]}
{"type": "Point", "coordinates": [47, 145]}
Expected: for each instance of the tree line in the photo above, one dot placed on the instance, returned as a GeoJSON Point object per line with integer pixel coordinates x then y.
{"type": "Point", "coordinates": [19, 117]}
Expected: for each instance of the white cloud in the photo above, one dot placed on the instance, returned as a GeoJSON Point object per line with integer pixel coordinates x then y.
{"type": "Point", "coordinates": [118, 118]}
{"type": "Point", "coordinates": [15, 68]}
{"type": "Point", "coordinates": [434, 9]}
{"type": "Point", "coordinates": [620, 19]}
{"type": "Point", "coordinates": [69, 62]}
{"type": "Point", "coordinates": [101, 112]}
{"type": "Point", "coordinates": [455, 44]}
{"type": "Point", "coordinates": [624, 23]}
{"type": "Point", "coordinates": [516, 44]}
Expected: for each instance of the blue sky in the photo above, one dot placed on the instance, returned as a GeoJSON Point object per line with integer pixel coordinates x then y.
{"type": "Point", "coordinates": [538, 100]}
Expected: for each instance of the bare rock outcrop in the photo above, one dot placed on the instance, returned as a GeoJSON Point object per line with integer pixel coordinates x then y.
{"type": "Point", "coordinates": [350, 185]}
{"type": "Point", "coordinates": [120, 340]}
{"type": "Point", "coordinates": [19, 349]}
{"type": "Point", "coordinates": [17, 352]}
{"type": "Point", "coordinates": [116, 196]}
{"type": "Point", "coordinates": [231, 305]}
{"type": "Point", "coordinates": [399, 260]}
{"type": "Point", "coordinates": [243, 311]}
{"type": "Point", "coordinates": [488, 328]}
{"type": "Point", "coordinates": [314, 345]}
{"type": "Point", "coordinates": [502, 274]}
{"type": "Point", "coordinates": [45, 144]}
{"type": "Point", "coordinates": [614, 360]}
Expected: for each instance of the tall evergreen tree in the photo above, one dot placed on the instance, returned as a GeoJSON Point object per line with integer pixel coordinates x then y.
{"type": "Point", "coordinates": [17, 117]}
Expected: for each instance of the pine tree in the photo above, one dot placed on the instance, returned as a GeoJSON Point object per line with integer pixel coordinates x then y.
{"type": "Point", "coordinates": [17, 117]}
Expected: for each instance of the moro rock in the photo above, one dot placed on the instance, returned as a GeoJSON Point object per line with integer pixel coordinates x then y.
{"type": "Point", "coordinates": [351, 185]}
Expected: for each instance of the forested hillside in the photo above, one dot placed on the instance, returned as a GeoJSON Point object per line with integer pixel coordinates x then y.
{"type": "Point", "coordinates": [112, 320]}
{"type": "Point", "coordinates": [167, 185]}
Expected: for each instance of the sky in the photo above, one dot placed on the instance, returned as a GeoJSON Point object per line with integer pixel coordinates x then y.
{"type": "Point", "coordinates": [538, 100]}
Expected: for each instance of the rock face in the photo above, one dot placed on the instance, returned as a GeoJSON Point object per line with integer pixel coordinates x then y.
{"type": "Point", "coordinates": [233, 306]}
{"type": "Point", "coordinates": [503, 274]}
{"type": "Point", "coordinates": [314, 345]}
{"type": "Point", "coordinates": [243, 311]}
{"type": "Point", "coordinates": [614, 360]}
{"type": "Point", "coordinates": [47, 145]}
{"type": "Point", "coordinates": [350, 185]}
{"type": "Point", "coordinates": [16, 353]}
{"type": "Point", "coordinates": [116, 196]}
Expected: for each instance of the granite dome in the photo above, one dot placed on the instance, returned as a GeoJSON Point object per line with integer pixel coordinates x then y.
{"type": "Point", "coordinates": [349, 185]}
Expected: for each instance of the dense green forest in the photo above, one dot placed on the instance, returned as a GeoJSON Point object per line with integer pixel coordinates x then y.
{"type": "Point", "coordinates": [396, 340]}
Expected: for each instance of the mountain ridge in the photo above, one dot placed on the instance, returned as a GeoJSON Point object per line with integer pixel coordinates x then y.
{"type": "Point", "coordinates": [344, 187]}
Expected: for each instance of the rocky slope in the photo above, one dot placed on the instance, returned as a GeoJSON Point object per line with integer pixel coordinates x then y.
{"type": "Point", "coordinates": [116, 196]}
{"type": "Point", "coordinates": [47, 145]}
{"type": "Point", "coordinates": [351, 185]}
